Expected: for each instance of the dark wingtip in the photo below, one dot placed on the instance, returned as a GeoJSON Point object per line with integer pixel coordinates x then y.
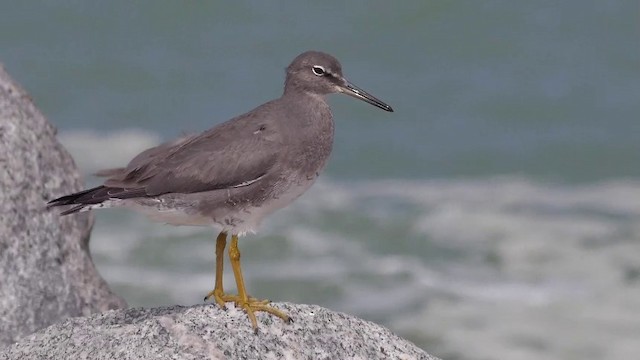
{"type": "Point", "coordinates": [72, 199]}
{"type": "Point", "coordinates": [63, 200]}
{"type": "Point", "coordinates": [57, 202]}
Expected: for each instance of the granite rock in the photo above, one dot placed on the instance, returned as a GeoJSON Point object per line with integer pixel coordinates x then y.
{"type": "Point", "coordinates": [46, 272]}
{"type": "Point", "coordinates": [208, 332]}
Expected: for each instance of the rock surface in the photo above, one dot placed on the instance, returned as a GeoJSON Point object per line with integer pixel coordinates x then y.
{"type": "Point", "coordinates": [46, 272]}
{"type": "Point", "coordinates": [208, 332]}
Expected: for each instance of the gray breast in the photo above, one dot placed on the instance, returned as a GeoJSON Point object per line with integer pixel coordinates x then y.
{"type": "Point", "coordinates": [309, 131]}
{"type": "Point", "coordinates": [305, 136]}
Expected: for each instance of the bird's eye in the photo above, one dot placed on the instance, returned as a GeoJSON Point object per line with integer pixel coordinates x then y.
{"type": "Point", "coordinates": [318, 70]}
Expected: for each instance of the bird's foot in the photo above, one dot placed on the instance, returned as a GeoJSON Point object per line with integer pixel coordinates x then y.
{"type": "Point", "coordinates": [253, 305]}
{"type": "Point", "coordinates": [249, 304]}
{"type": "Point", "coordinates": [220, 297]}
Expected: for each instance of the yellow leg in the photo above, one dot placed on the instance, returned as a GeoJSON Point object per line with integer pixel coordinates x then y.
{"type": "Point", "coordinates": [218, 292]}
{"type": "Point", "coordinates": [249, 304]}
{"type": "Point", "coordinates": [242, 300]}
{"type": "Point", "coordinates": [221, 243]}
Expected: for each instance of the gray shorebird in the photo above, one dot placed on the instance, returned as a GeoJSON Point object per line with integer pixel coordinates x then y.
{"type": "Point", "coordinates": [233, 175]}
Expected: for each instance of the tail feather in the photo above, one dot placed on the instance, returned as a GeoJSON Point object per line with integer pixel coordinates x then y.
{"type": "Point", "coordinates": [74, 209]}
{"type": "Point", "coordinates": [94, 196]}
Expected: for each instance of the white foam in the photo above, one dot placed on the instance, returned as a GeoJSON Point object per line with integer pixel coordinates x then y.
{"type": "Point", "coordinates": [502, 267]}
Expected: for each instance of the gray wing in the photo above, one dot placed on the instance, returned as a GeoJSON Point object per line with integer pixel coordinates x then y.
{"type": "Point", "coordinates": [230, 155]}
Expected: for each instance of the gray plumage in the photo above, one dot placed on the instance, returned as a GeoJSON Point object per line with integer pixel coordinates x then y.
{"type": "Point", "coordinates": [235, 173]}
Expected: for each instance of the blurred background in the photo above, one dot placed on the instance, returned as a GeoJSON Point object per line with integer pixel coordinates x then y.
{"type": "Point", "coordinates": [494, 215]}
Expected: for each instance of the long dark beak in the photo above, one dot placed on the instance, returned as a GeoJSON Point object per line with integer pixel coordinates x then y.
{"type": "Point", "coordinates": [352, 90]}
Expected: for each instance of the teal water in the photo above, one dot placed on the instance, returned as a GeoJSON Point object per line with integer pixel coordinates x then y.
{"type": "Point", "coordinates": [495, 87]}
{"type": "Point", "coordinates": [492, 216]}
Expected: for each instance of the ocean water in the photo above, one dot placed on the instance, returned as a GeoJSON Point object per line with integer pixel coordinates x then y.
{"type": "Point", "coordinates": [494, 215]}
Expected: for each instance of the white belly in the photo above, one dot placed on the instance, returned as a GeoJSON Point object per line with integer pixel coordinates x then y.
{"type": "Point", "coordinates": [240, 221]}
{"type": "Point", "coordinates": [252, 217]}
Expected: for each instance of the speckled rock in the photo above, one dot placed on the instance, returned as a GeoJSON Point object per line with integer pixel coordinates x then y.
{"type": "Point", "coordinates": [46, 272]}
{"type": "Point", "coordinates": [207, 332]}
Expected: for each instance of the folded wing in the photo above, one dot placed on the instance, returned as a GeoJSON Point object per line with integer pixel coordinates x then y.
{"type": "Point", "coordinates": [223, 157]}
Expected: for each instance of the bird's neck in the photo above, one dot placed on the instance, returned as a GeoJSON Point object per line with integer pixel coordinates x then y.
{"type": "Point", "coordinates": [302, 97]}
{"type": "Point", "coordinates": [310, 110]}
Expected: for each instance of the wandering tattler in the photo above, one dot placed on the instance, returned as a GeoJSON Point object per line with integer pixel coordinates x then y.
{"type": "Point", "coordinates": [236, 173]}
